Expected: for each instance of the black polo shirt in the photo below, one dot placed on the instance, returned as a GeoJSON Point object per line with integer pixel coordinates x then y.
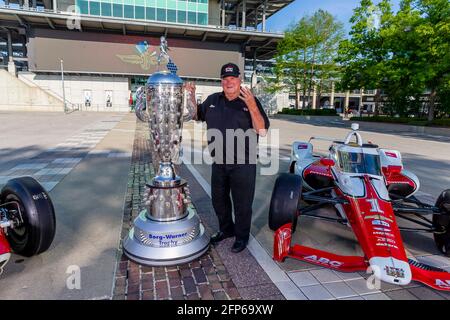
{"type": "Point", "coordinates": [233, 121]}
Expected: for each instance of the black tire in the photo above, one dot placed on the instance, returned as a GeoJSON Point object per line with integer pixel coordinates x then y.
{"type": "Point", "coordinates": [36, 233]}
{"type": "Point", "coordinates": [292, 167]}
{"type": "Point", "coordinates": [442, 222]}
{"type": "Point", "coordinates": [285, 200]}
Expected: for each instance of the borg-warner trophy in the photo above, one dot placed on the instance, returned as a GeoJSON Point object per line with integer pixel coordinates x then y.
{"type": "Point", "coordinates": [168, 231]}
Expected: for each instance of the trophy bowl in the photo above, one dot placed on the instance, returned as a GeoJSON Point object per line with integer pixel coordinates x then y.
{"type": "Point", "coordinates": [168, 230]}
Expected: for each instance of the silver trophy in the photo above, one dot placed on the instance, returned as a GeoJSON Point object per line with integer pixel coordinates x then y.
{"type": "Point", "coordinates": [168, 231]}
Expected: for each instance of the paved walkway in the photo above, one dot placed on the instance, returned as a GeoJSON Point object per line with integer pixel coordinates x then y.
{"type": "Point", "coordinates": [218, 274]}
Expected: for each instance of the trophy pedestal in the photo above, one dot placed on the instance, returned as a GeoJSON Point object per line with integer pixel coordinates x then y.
{"type": "Point", "coordinates": [157, 243]}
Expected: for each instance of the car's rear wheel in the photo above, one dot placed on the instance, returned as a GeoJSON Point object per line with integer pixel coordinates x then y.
{"type": "Point", "coordinates": [30, 206]}
{"type": "Point", "coordinates": [442, 223]}
{"type": "Point", "coordinates": [285, 200]}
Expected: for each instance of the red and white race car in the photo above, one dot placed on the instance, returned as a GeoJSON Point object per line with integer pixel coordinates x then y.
{"type": "Point", "coordinates": [369, 189]}
{"type": "Point", "coordinates": [27, 219]}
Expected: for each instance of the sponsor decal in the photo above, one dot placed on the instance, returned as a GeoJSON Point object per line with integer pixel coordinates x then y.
{"type": "Point", "coordinates": [444, 284]}
{"type": "Point", "coordinates": [384, 244]}
{"type": "Point", "coordinates": [394, 272]}
{"type": "Point", "coordinates": [229, 69]}
{"type": "Point", "coordinates": [324, 261]}
{"type": "Point", "coordinates": [378, 217]}
{"type": "Point", "coordinates": [380, 223]}
{"type": "Point", "coordinates": [245, 109]}
{"type": "Point", "coordinates": [383, 234]}
{"type": "Point", "coordinates": [302, 146]}
{"type": "Point", "coordinates": [212, 106]}
{"type": "Point", "coordinates": [382, 239]}
{"type": "Point", "coordinates": [38, 196]}
{"type": "Point", "coordinates": [391, 154]}
{"type": "Point", "coordinates": [167, 240]}
{"type": "Point", "coordinates": [284, 241]}
{"type": "Point", "coordinates": [382, 229]}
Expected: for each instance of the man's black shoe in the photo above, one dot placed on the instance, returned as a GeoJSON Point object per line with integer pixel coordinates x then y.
{"type": "Point", "coordinates": [219, 236]}
{"type": "Point", "coordinates": [238, 246]}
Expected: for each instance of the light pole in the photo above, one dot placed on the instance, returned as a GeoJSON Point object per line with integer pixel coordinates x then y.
{"type": "Point", "coordinates": [63, 90]}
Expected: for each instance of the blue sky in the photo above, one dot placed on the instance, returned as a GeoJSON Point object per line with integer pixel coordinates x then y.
{"type": "Point", "coordinates": [341, 9]}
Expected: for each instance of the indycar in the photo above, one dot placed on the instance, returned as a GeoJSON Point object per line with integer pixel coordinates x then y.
{"type": "Point", "coordinates": [27, 219]}
{"type": "Point", "coordinates": [369, 189]}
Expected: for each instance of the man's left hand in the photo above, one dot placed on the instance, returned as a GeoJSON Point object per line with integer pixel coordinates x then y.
{"type": "Point", "coordinates": [248, 97]}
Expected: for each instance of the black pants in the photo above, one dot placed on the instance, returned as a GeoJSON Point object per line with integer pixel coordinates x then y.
{"type": "Point", "coordinates": [240, 181]}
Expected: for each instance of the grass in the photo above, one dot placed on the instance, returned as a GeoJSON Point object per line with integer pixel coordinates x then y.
{"type": "Point", "coordinates": [309, 112]}
{"type": "Point", "coordinates": [445, 122]}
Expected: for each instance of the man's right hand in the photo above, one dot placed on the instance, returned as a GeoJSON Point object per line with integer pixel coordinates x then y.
{"type": "Point", "coordinates": [190, 88]}
{"type": "Point", "coordinates": [192, 103]}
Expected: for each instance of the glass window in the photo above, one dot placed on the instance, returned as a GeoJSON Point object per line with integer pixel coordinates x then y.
{"type": "Point", "coordinates": [139, 12]}
{"type": "Point", "coordinates": [150, 13]}
{"type": "Point", "coordinates": [202, 7]}
{"type": "Point", "coordinates": [181, 16]}
{"type": "Point", "coordinates": [358, 162]}
{"type": "Point", "coordinates": [202, 18]}
{"type": "Point", "coordinates": [181, 5]}
{"type": "Point", "coordinates": [161, 14]}
{"type": "Point", "coordinates": [106, 9]}
{"type": "Point", "coordinates": [94, 8]}
{"type": "Point", "coordinates": [128, 11]}
{"type": "Point", "coordinates": [171, 16]}
{"type": "Point", "coordinates": [171, 4]}
{"type": "Point", "coordinates": [118, 10]}
{"type": "Point", "coordinates": [161, 4]}
{"type": "Point", "coordinates": [84, 7]}
{"type": "Point", "coordinates": [192, 17]}
{"type": "Point", "coordinates": [192, 6]}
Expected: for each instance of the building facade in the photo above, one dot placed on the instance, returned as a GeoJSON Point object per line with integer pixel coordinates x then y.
{"type": "Point", "coordinates": [94, 54]}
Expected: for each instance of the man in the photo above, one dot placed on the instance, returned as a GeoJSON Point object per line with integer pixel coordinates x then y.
{"type": "Point", "coordinates": [233, 169]}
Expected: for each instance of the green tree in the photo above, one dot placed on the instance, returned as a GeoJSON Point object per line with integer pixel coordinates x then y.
{"type": "Point", "coordinates": [306, 54]}
{"type": "Point", "coordinates": [407, 55]}
{"type": "Point", "coordinates": [363, 56]}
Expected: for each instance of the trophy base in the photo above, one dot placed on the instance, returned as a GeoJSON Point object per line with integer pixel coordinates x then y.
{"type": "Point", "coordinates": [156, 243]}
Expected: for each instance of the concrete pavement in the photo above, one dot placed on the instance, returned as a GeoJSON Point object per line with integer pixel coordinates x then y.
{"type": "Point", "coordinates": [88, 172]}
{"type": "Point", "coordinates": [430, 160]}
{"type": "Point", "coordinates": [86, 165]}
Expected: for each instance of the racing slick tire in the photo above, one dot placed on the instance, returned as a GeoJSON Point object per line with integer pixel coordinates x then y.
{"type": "Point", "coordinates": [442, 221]}
{"type": "Point", "coordinates": [37, 231]}
{"type": "Point", "coordinates": [284, 203]}
{"type": "Point", "coordinates": [292, 167]}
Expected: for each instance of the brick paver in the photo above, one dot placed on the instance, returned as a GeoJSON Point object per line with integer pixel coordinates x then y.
{"type": "Point", "coordinates": [205, 278]}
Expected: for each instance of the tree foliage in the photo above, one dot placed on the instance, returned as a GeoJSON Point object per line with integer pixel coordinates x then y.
{"type": "Point", "coordinates": [405, 54]}
{"type": "Point", "coordinates": [306, 55]}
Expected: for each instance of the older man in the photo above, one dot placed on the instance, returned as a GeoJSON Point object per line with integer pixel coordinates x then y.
{"type": "Point", "coordinates": [235, 109]}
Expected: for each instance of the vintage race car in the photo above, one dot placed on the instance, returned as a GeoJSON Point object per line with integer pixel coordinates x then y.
{"type": "Point", "coordinates": [369, 189]}
{"type": "Point", "coordinates": [27, 219]}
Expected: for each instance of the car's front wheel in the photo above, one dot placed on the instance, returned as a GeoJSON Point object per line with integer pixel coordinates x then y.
{"type": "Point", "coordinates": [285, 200]}
{"type": "Point", "coordinates": [32, 210]}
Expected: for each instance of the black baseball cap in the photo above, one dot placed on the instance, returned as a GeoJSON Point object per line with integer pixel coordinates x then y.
{"type": "Point", "coordinates": [229, 69]}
